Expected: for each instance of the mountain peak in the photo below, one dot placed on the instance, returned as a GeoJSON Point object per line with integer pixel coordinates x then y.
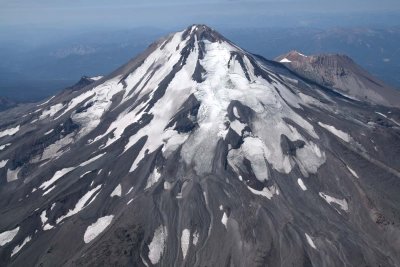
{"type": "Point", "coordinates": [192, 146]}
{"type": "Point", "coordinates": [341, 73]}
{"type": "Point", "coordinates": [203, 32]}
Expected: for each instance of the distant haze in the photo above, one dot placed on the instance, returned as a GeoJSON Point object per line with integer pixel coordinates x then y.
{"type": "Point", "coordinates": [175, 13]}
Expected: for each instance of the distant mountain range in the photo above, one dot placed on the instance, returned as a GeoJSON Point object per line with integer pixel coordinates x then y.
{"type": "Point", "coordinates": [30, 73]}
{"type": "Point", "coordinates": [6, 103]}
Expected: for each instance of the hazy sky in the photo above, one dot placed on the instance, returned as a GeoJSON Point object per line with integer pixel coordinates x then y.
{"type": "Point", "coordinates": [176, 13]}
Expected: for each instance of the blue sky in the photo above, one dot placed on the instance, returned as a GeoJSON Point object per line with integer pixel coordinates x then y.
{"type": "Point", "coordinates": [176, 13]}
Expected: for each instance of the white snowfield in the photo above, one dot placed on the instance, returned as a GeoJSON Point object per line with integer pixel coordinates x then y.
{"type": "Point", "coordinates": [2, 147]}
{"type": "Point", "coordinates": [3, 163]}
{"type": "Point", "coordinates": [342, 135]}
{"type": "Point", "coordinates": [47, 101]}
{"type": "Point", "coordinates": [91, 160]}
{"type": "Point", "coordinates": [157, 244]}
{"type": "Point", "coordinates": [224, 220]}
{"type": "Point", "coordinates": [8, 236]}
{"type": "Point", "coordinates": [12, 175]}
{"type": "Point", "coordinates": [43, 217]}
{"type": "Point", "coordinates": [266, 192]}
{"type": "Point", "coordinates": [285, 60]}
{"type": "Point", "coordinates": [10, 131]}
{"type": "Point", "coordinates": [55, 177]}
{"type": "Point", "coordinates": [117, 191]}
{"type": "Point", "coordinates": [185, 242]}
{"type": "Point", "coordinates": [19, 247]}
{"type": "Point", "coordinates": [341, 202]}
{"type": "Point", "coordinates": [95, 229]}
{"type": "Point", "coordinates": [51, 111]}
{"type": "Point", "coordinates": [153, 178]}
{"type": "Point", "coordinates": [96, 78]}
{"type": "Point", "coordinates": [81, 204]}
{"type": "Point", "coordinates": [301, 184]}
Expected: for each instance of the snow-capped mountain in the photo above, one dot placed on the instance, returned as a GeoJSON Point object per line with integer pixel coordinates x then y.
{"type": "Point", "coordinates": [198, 153]}
{"type": "Point", "coordinates": [342, 74]}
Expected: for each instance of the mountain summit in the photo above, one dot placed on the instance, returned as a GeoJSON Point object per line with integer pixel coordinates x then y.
{"type": "Point", "coordinates": [342, 74]}
{"type": "Point", "coordinates": [198, 153]}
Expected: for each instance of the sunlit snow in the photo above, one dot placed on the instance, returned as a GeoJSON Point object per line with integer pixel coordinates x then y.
{"type": "Point", "coordinates": [96, 228]}
{"type": "Point", "coordinates": [8, 236]}
{"type": "Point", "coordinates": [81, 204]}
{"type": "Point", "coordinates": [185, 237]}
{"type": "Point", "coordinates": [341, 202]}
{"type": "Point", "coordinates": [19, 247]}
{"type": "Point", "coordinates": [342, 135]}
{"type": "Point", "coordinates": [310, 241]}
{"type": "Point", "coordinates": [157, 244]}
{"type": "Point", "coordinates": [117, 191]}
{"type": "Point", "coordinates": [10, 131]}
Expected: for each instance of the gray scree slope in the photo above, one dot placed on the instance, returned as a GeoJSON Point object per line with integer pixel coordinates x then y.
{"type": "Point", "coordinates": [342, 74]}
{"type": "Point", "coordinates": [198, 153]}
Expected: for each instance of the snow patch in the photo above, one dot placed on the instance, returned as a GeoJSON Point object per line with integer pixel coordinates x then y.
{"type": "Point", "coordinates": [91, 160]}
{"type": "Point", "coordinates": [55, 177]}
{"type": "Point", "coordinates": [341, 202]}
{"type": "Point", "coordinates": [84, 174]}
{"type": "Point", "coordinates": [49, 190]}
{"type": "Point", "coordinates": [153, 178]}
{"type": "Point", "coordinates": [156, 246]}
{"type": "Point", "coordinates": [301, 184]}
{"type": "Point", "coordinates": [185, 242]}
{"type": "Point", "coordinates": [342, 135]}
{"type": "Point", "coordinates": [266, 192]}
{"type": "Point", "coordinates": [51, 111]}
{"type": "Point", "coordinates": [2, 147]}
{"type": "Point", "coordinates": [80, 205]}
{"type": "Point", "coordinates": [43, 217]}
{"type": "Point", "coordinates": [96, 228]}
{"type": "Point", "coordinates": [224, 219]}
{"type": "Point", "coordinates": [237, 127]}
{"type": "Point", "coordinates": [96, 78]}
{"type": "Point", "coordinates": [19, 247]}
{"type": "Point", "coordinates": [235, 112]}
{"type": "Point", "coordinates": [196, 238]}
{"type": "Point", "coordinates": [130, 190]}
{"type": "Point", "coordinates": [310, 241]}
{"type": "Point", "coordinates": [54, 150]}
{"type": "Point", "coordinates": [49, 132]}
{"type": "Point", "coordinates": [8, 236]}
{"type": "Point", "coordinates": [117, 191]}
{"type": "Point", "coordinates": [3, 163]}
{"type": "Point", "coordinates": [383, 115]}
{"type": "Point", "coordinates": [47, 227]}
{"type": "Point", "coordinates": [285, 60]}
{"type": "Point", "coordinates": [352, 172]}
{"type": "Point", "coordinates": [255, 151]}
{"type": "Point", "coordinates": [12, 175]}
{"type": "Point", "coordinates": [10, 131]}
{"type": "Point", "coordinates": [47, 101]}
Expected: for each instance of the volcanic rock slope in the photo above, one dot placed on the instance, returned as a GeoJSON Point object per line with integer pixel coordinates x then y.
{"type": "Point", "coordinates": [198, 153]}
{"type": "Point", "coordinates": [341, 73]}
